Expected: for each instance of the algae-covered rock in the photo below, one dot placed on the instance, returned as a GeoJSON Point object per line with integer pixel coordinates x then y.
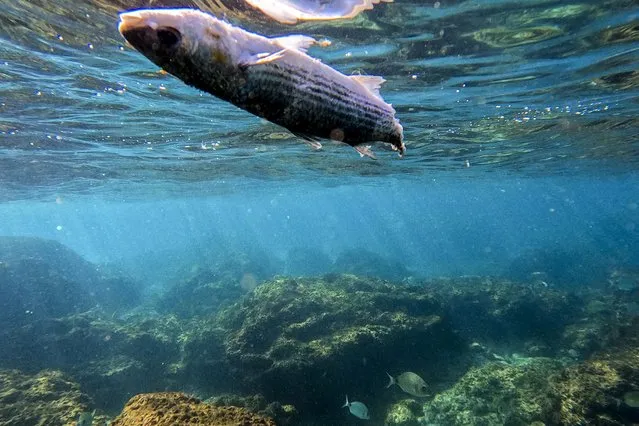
{"type": "Point", "coordinates": [204, 292]}
{"type": "Point", "coordinates": [403, 413]}
{"type": "Point", "coordinates": [600, 326]}
{"type": "Point", "coordinates": [499, 394]}
{"type": "Point", "coordinates": [593, 392]}
{"type": "Point", "coordinates": [506, 313]}
{"type": "Point", "coordinates": [282, 414]}
{"type": "Point", "coordinates": [308, 341]}
{"type": "Point", "coordinates": [112, 359]}
{"type": "Point", "coordinates": [170, 409]}
{"type": "Point", "coordinates": [48, 398]}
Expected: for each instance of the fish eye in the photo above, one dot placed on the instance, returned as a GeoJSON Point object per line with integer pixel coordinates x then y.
{"type": "Point", "coordinates": [168, 36]}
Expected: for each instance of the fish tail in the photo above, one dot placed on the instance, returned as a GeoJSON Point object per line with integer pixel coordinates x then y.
{"type": "Point", "coordinates": [391, 381]}
{"type": "Point", "coordinates": [346, 404]}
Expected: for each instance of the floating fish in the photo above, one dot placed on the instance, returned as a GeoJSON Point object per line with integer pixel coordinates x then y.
{"type": "Point", "coordinates": [410, 383]}
{"type": "Point", "coordinates": [272, 78]}
{"type": "Point", "coordinates": [358, 409]}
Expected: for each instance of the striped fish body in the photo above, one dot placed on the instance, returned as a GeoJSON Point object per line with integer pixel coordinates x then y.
{"type": "Point", "coordinates": [272, 78]}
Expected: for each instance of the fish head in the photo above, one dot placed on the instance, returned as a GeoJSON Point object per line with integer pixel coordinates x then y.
{"type": "Point", "coordinates": [170, 37]}
{"type": "Point", "coordinates": [420, 389]}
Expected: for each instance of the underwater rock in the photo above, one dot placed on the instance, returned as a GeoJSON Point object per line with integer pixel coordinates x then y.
{"type": "Point", "coordinates": [593, 392]}
{"type": "Point", "coordinates": [173, 408]}
{"type": "Point", "coordinates": [499, 394]}
{"type": "Point", "coordinates": [281, 414]}
{"type": "Point", "coordinates": [48, 398]}
{"type": "Point", "coordinates": [402, 413]}
{"type": "Point", "coordinates": [44, 279]}
{"type": "Point", "coordinates": [203, 363]}
{"type": "Point", "coordinates": [609, 318]}
{"type": "Point", "coordinates": [213, 283]}
{"type": "Point", "coordinates": [111, 359]}
{"type": "Point", "coordinates": [203, 293]}
{"type": "Point", "coordinates": [507, 314]}
{"type": "Point", "coordinates": [304, 341]}
{"type": "Point", "coordinates": [599, 327]}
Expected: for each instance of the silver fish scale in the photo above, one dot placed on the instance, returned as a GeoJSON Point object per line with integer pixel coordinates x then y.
{"type": "Point", "coordinates": [297, 100]}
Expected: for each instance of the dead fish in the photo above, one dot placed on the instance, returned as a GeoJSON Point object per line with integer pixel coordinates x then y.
{"type": "Point", "coordinates": [410, 383]}
{"type": "Point", "coordinates": [272, 78]}
{"type": "Point", "coordinates": [356, 408]}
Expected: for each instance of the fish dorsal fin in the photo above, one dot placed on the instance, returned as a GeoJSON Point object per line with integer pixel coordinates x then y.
{"type": "Point", "coordinates": [371, 82]}
{"type": "Point", "coordinates": [295, 42]}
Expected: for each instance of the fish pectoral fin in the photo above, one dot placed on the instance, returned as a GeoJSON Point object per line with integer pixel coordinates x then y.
{"type": "Point", "coordinates": [365, 151]}
{"type": "Point", "coordinates": [371, 82]}
{"type": "Point", "coordinates": [263, 58]}
{"type": "Point", "coordinates": [296, 42]}
{"type": "Point", "coordinates": [312, 141]}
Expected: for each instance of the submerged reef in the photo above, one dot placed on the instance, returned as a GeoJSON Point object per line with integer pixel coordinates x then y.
{"type": "Point", "coordinates": [499, 394]}
{"type": "Point", "coordinates": [173, 408]}
{"type": "Point", "coordinates": [306, 341]}
{"type": "Point", "coordinates": [402, 413]}
{"type": "Point", "coordinates": [282, 414]}
{"type": "Point", "coordinates": [108, 357]}
{"type": "Point", "coordinates": [44, 279]}
{"type": "Point", "coordinates": [594, 392]}
{"type": "Point", "coordinates": [48, 398]}
{"type": "Point", "coordinates": [508, 315]}
{"type": "Point", "coordinates": [491, 350]}
{"type": "Point", "coordinates": [204, 292]}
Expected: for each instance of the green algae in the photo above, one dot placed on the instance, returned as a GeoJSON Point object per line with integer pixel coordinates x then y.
{"type": "Point", "coordinates": [49, 397]}
{"type": "Point", "coordinates": [497, 393]}
{"type": "Point", "coordinates": [591, 391]}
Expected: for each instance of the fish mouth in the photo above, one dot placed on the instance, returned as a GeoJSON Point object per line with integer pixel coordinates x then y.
{"type": "Point", "coordinates": [132, 22]}
{"type": "Point", "coordinates": [145, 34]}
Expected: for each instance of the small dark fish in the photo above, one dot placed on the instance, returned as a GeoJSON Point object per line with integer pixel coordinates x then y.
{"type": "Point", "coordinates": [272, 78]}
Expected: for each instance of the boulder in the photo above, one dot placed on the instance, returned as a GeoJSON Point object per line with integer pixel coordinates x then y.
{"type": "Point", "coordinates": [173, 408]}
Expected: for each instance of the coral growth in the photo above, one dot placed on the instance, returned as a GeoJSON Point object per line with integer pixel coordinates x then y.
{"type": "Point", "coordinates": [173, 408]}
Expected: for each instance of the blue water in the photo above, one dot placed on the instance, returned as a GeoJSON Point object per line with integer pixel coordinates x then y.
{"type": "Point", "coordinates": [432, 226]}
{"type": "Point", "coordinates": [521, 127]}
